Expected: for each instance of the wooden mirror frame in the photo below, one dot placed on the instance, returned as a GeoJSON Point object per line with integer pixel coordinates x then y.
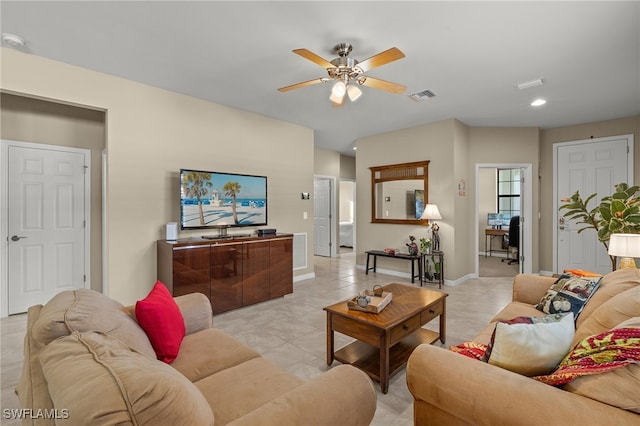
{"type": "Point", "coordinates": [402, 171]}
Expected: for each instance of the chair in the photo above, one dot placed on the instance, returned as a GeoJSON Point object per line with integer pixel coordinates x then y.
{"type": "Point", "coordinates": [514, 239]}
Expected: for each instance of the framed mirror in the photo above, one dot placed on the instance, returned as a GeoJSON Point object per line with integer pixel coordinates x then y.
{"type": "Point", "coordinates": [399, 193]}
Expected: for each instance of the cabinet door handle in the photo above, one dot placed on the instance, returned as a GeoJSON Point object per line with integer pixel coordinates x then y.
{"type": "Point", "coordinates": [404, 327]}
{"type": "Point", "coordinates": [431, 311]}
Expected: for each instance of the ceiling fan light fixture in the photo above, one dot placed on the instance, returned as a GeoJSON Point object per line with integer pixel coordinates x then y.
{"type": "Point", "coordinates": [336, 99]}
{"type": "Point", "coordinates": [354, 92]}
{"type": "Point", "coordinates": [339, 89]}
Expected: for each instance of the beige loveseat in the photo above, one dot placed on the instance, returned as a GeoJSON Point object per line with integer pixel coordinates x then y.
{"type": "Point", "coordinates": [87, 362]}
{"type": "Point", "coordinates": [449, 388]}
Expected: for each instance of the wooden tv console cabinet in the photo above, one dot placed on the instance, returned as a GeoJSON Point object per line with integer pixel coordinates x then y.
{"type": "Point", "coordinates": [232, 271]}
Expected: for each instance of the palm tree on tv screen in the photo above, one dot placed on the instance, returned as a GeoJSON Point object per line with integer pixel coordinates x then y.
{"type": "Point", "coordinates": [197, 186]}
{"type": "Point", "coordinates": [232, 189]}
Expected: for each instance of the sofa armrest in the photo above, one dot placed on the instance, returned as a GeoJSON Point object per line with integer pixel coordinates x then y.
{"type": "Point", "coordinates": [529, 288]}
{"type": "Point", "coordinates": [343, 395]}
{"type": "Point", "coordinates": [196, 311]}
{"type": "Point", "coordinates": [471, 391]}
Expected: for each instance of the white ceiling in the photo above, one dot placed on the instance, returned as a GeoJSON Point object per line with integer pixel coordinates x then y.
{"type": "Point", "coordinates": [471, 54]}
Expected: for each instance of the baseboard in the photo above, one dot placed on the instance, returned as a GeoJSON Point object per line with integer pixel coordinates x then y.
{"type": "Point", "coordinates": [303, 277]}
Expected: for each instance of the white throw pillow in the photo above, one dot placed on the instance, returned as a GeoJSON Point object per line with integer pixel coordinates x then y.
{"type": "Point", "coordinates": [532, 349]}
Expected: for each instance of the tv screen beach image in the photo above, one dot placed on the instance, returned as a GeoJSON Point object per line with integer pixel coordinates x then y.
{"type": "Point", "coordinates": [210, 199]}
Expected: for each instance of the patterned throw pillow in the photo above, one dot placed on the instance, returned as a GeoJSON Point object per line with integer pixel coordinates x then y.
{"type": "Point", "coordinates": [569, 294]}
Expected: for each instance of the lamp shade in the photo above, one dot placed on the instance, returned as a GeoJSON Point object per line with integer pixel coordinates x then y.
{"type": "Point", "coordinates": [624, 245]}
{"type": "Point", "coordinates": [354, 92]}
{"type": "Point", "coordinates": [431, 212]}
{"type": "Point", "coordinates": [339, 89]}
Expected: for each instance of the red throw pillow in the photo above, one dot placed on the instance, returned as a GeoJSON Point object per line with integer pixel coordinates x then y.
{"type": "Point", "coordinates": [159, 316]}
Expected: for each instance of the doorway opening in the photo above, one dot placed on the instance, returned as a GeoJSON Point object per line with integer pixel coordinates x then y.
{"type": "Point", "coordinates": [496, 188]}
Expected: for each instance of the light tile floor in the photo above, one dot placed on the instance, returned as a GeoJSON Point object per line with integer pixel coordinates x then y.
{"type": "Point", "coordinates": [291, 331]}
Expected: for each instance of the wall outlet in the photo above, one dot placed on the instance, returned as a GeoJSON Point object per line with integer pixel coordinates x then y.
{"type": "Point", "coordinates": [305, 215]}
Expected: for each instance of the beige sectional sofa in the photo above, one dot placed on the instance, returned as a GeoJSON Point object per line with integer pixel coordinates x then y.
{"type": "Point", "coordinates": [87, 361]}
{"type": "Point", "coordinates": [449, 388]}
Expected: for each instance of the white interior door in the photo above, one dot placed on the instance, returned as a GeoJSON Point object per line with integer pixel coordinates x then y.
{"type": "Point", "coordinates": [589, 166]}
{"type": "Point", "coordinates": [47, 222]}
{"type": "Point", "coordinates": [322, 217]}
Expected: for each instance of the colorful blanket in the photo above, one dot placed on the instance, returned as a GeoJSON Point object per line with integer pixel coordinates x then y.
{"type": "Point", "coordinates": [596, 354]}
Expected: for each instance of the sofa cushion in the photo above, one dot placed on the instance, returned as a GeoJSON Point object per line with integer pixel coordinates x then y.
{"type": "Point", "coordinates": [569, 293]}
{"type": "Point", "coordinates": [101, 381]}
{"type": "Point", "coordinates": [617, 309]}
{"type": "Point", "coordinates": [611, 284]}
{"type": "Point", "coordinates": [159, 316]}
{"type": "Point", "coordinates": [209, 351]}
{"type": "Point", "coordinates": [257, 380]}
{"type": "Point", "coordinates": [87, 310]}
{"type": "Point", "coordinates": [531, 345]}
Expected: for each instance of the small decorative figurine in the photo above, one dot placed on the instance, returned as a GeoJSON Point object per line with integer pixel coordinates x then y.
{"type": "Point", "coordinates": [413, 247]}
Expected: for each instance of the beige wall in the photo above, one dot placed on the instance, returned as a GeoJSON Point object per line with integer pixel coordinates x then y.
{"type": "Point", "coordinates": [151, 134]}
{"type": "Point", "coordinates": [460, 262]}
{"type": "Point", "coordinates": [38, 121]}
{"type": "Point", "coordinates": [434, 142]}
{"type": "Point", "coordinates": [508, 145]}
{"type": "Point", "coordinates": [454, 150]}
{"type": "Point", "coordinates": [622, 126]}
{"type": "Point", "coordinates": [347, 167]}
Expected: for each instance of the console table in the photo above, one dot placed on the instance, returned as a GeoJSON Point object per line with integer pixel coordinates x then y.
{"type": "Point", "coordinates": [418, 258]}
{"type": "Point", "coordinates": [489, 235]}
{"type": "Point", "coordinates": [232, 272]}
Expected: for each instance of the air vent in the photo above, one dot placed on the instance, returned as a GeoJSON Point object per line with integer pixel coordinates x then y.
{"type": "Point", "coordinates": [422, 96]}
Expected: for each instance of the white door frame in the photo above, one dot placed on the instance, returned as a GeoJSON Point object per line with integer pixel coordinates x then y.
{"type": "Point", "coordinates": [355, 213]}
{"type": "Point", "coordinates": [4, 205]}
{"type": "Point", "coordinates": [526, 208]}
{"type": "Point", "coordinates": [333, 212]}
{"type": "Point", "coordinates": [558, 145]}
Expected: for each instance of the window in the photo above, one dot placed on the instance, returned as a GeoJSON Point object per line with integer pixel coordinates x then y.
{"type": "Point", "coordinates": [509, 191]}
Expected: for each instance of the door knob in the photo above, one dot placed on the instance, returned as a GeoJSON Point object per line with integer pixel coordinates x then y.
{"type": "Point", "coordinates": [16, 238]}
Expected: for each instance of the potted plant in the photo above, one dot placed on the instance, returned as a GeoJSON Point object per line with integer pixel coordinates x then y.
{"type": "Point", "coordinates": [425, 246]}
{"type": "Point", "coordinates": [617, 213]}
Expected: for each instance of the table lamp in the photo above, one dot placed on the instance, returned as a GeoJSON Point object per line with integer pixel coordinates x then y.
{"type": "Point", "coordinates": [626, 246]}
{"type": "Point", "coordinates": [432, 213]}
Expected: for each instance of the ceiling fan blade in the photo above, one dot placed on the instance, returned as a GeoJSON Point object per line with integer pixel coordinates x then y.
{"type": "Point", "coordinates": [380, 59]}
{"type": "Point", "coordinates": [377, 83]}
{"type": "Point", "coordinates": [302, 84]}
{"type": "Point", "coordinates": [307, 54]}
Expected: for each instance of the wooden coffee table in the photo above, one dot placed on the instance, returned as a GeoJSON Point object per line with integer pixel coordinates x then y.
{"type": "Point", "coordinates": [385, 340]}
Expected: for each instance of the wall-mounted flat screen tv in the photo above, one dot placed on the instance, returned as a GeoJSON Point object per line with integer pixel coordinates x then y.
{"type": "Point", "coordinates": [215, 200]}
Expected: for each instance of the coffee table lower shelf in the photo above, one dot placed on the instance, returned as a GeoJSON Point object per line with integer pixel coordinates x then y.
{"type": "Point", "coordinates": [367, 357]}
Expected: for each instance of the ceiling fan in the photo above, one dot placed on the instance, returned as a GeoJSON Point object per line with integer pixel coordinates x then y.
{"type": "Point", "coordinates": [349, 73]}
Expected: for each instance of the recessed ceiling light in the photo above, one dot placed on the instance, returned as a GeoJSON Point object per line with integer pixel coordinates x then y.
{"type": "Point", "coordinates": [12, 40]}
{"type": "Point", "coordinates": [538, 102]}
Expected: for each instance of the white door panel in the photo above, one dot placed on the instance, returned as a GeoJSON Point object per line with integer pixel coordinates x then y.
{"type": "Point", "coordinates": [46, 223]}
{"type": "Point", "coordinates": [322, 217]}
{"type": "Point", "coordinates": [592, 166]}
